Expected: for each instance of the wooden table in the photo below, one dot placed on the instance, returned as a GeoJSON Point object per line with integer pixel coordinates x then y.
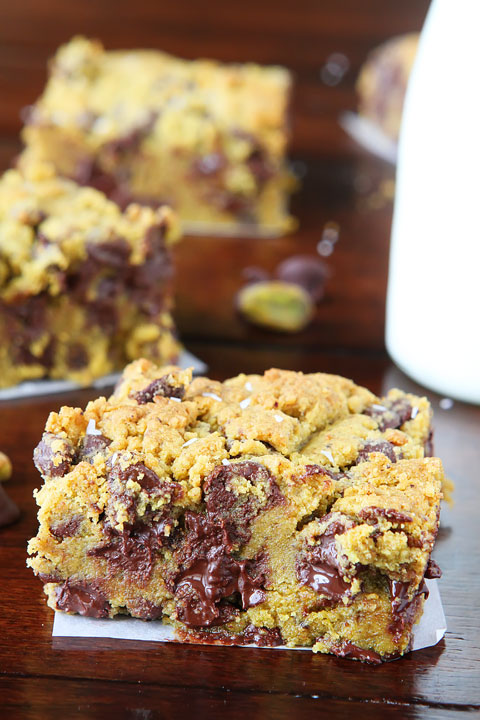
{"type": "Point", "coordinates": [43, 678]}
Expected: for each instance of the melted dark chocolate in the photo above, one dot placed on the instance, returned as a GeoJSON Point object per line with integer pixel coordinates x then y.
{"type": "Point", "coordinates": [209, 574]}
{"type": "Point", "coordinates": [83, 598]}
{"type": "Point", "coordinates": [404, 608]}
{"type": "Point", "coordinates": [320, 568]}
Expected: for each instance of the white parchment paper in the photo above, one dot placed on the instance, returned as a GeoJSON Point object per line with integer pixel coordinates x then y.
{"type": "Point", "coordinates": [369, 136]}
{"type": "Point", "coordinates": [429, 630]}
{"type": "Point", "coordinates": [50, 387]}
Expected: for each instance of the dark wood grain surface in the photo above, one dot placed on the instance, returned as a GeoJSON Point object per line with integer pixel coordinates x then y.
{"type": "Point", "coordinates": [41, 677]}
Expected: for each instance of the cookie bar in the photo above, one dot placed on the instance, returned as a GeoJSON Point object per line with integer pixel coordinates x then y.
{"type": "Point", "coordinates": [84, 288]}
{"type": "Point", "coordinates": [9, 511]}
{"type": "Point", "coordinates": [205, 138]}
{"type": "Point", "coordinates": [382, 82]}
{"type": "Point", "coordinates": [277, 509]}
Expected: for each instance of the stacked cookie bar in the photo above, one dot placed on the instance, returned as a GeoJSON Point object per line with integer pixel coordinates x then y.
{"type": "Point", "coordinates": [84, 288]}
{"type": "Point", "coordinates": [206, 138]}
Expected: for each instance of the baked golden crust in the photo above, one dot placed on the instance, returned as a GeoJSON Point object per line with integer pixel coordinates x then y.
{"type": "Point", "coordinates": [288, 506]}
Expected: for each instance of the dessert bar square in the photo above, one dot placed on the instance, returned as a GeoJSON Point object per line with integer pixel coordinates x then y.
{"type": "Point", "coordinates": [84, 288]}
{"type": "Point", "coordinates": [206, 138]}
{"type": "Point", "coordinates": [277, 509]}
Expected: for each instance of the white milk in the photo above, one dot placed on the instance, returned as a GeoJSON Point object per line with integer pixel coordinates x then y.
{"type": "Point", "coordinates": [433, 301]}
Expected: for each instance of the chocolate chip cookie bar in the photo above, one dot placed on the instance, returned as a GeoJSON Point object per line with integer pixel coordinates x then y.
{"type": "Point", "coordinates": [277, 509]}
{"type": "Point", "coordinates": [205, 138]}
{"type": "Point", "coordinates": [382, 82]}
{"type": "Point", "coordinates": [84, 288]}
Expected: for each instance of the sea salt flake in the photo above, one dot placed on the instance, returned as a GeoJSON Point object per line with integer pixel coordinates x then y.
{"type": "Point", "coordinates": [414, 413]}
{"type": "Point", "coordinates": [226, 462]}
{"type": "Point", "coordinates": [189, 442]}
{"type": "Point", "coordinates": [328, 455]}
{"type": "Point", "coordinates": [248, 386]}
{"type": "Point", "coordinates": [92, 428]}
{"type": "Point", "coordinates": [175, 399]}
{"type": "Point", "coordinates": [245, 403]}
{"type": "Point", "coordinates": [278, 418]}
{"type": "Point", "coordinates": [212, 395]}
{"type": "Point", "coordinates": [381, 408]}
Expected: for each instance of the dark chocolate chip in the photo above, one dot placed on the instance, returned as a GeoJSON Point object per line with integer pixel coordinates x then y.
{"type": "Point", "coordinates": [394, 516]}
{"type": "Point", "coordinates": [379, 446]}
{"type": "Point", "coordinates": [144, 609]}
{"type": "Point", "coordinates": [9, 511]}
{"type": "Point", "coordinates": [67, 528]}
{"type": "Point", "coordinates": [53, 462]}
{"type": "Point", "coordinates": [237, 511]}
{"type": "Point", "coordinates": [433, 571]}
{"type": "Point", "coordinates": [162, 387]}
{"type": "Point", "coordinates": [307, 271]}
{"type": "Point", "coordinates": [91, 446]}
{"type": "Point", "coordinates": [428, 449]}
{"type": "Point", "coordinates": [114, 253]}
{"type": "Point", "coordinates": [83, 598]}
{"type": "Point", "coordinates": [77, 356]}
{"type": "Point", "coordinates": [390, 413]}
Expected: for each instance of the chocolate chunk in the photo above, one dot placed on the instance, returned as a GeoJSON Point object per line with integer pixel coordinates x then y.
{"type": "Point", "coordinates": [262, 636]}
{"type": "Point", "coordinates": [161, 387]}
{"type": "Point", "coordinates": [77, 356]}
{"type": "Point", "coordinates": [390, 413]}
{"type": "Point", "coordinates": [144, 609]}
{"type": "Point", "coordinates": [320, 567]}
{"type": "Point", "coordinates": [404, 608]}
{"type": "Point", "coordinates": [53, 455]}
{"type": "Point", "coordinates": [433, 571]}
{"type": "Point", "coordinates": [124, 498]}
{"type": "Point", "coordinates": [130, 142]}
{"type": "Point", "coordinates": [428, 449]}
{"type": "Point", "coordinates": [380, 446]}
{"type": "Point", "coordinates": [114, 253]}
{"type": "Point", "coordinates": [67, 528]}
{"type": "Point", "coordinates": [394, 516]}
{"type": "Point", "coordinates": [238, 510]}
{"type": "Point", "coordinates": [307, 271]}
{"type": "Point", "coordinates": [126, 555]}
{"type": "Point", "coordinates": [210, 575]}
{"type": "Point", "coordinates": [347, 649]}
{"type": "Point", "coordinates": [9, 511]}
{"type": "Point", "coordinates": [83, 598]}
{"type": "Point", "coordinates": [89, 172]}
{"type": "Point", "coordinates": [260, 166]}
{"type": "Point", "coordinates": [91, 446]}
